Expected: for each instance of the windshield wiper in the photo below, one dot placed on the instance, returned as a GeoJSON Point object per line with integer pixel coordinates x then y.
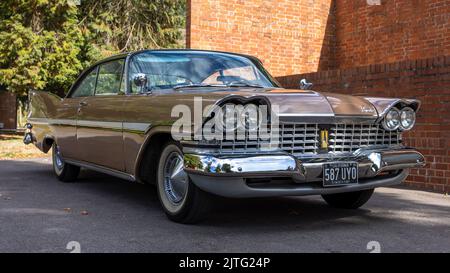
{"type": "Point", "coordinates": [235, 84]}
{"type": "Point", "coordinates": [218, 85]}
{"type": "Point", "coordinates": [198, 85]}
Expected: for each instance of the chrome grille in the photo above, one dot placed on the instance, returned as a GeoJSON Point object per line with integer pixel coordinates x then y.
{"type": "Point", "coordinates": [250, 144]}
{"type": "Point", "coordinates": [346, 138]}
{"type": "Point", "coordinates": [299, 139]}
{"type": "Point", "coordinates": [303, 139]}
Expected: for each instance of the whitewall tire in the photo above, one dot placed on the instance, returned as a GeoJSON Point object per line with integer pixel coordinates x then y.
{"type": "Point", "coordinates": [64, 171]}
{"type": "Point", "coordinates": [182, 201]}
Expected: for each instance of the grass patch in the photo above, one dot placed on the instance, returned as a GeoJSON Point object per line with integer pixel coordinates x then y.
{"type": "Point", "coordinates": [12, 147]}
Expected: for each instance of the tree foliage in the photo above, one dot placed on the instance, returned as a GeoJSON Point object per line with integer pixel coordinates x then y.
{"type": "Point", "coordinates": [134, 24]}
{"type": "Point", "coordinates": [44, 44]}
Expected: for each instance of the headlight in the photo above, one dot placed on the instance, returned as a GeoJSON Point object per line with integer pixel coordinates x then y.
{"type": "Point", "coordinates": [237, 116]}
{"type": "Point", "coordinates": [250, 117]}
{"type": "Point", "coordinates": [391, 121]}
{"type": "Point", "coordinates": [407, 118]}
{"type": "Point", "coordinates": [229, 117]}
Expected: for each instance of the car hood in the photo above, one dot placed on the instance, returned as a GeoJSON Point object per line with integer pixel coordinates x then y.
{"type": "Point", "coordinates": [307, 105]}
{"type": "Point", "coordinates": [293, 103]}
{"type": "Point", "coordinates": [312, 103]}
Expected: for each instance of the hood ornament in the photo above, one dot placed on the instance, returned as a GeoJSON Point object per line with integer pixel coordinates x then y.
{"type": "Point", "coordinates": [305, 85]}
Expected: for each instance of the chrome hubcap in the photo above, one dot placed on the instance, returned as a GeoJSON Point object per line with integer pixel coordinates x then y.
{"type": "Point", "coordinates": [175, 179]}
{"type": "Point", "coordinates": [59, 162]}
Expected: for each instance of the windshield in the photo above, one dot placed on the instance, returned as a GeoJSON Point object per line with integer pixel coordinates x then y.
{"type": "Point", "coordinates": [169, 69]}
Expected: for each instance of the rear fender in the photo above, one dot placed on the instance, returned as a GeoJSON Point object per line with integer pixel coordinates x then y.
{"type": "Point", "coordinates": [42, 104]}
{"type": "Point", "coordinates": [42, 107]}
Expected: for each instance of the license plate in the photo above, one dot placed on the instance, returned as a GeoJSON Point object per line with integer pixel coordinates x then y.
{"type": "Point", "coordinates": [337, 174]}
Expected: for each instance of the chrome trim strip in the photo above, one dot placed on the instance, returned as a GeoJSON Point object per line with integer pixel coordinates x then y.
{"type": "Point", "coordinates": [114, 125]}
{"type": "Point", "coordinates": [66, 122]}
{"type": "Point", "coordinates": [50, 121]}
{"type": "Point", "coordinates": [305, 115]}
{"type": "Point", "coordinates": [101, 169]}
{"type": "Point", "coordinates": [136, 127]}
{"type": "Point", "coordinates": [38, 120]}
{"type": "Point", "coordinates": [328, 119]}
{"type": "Point", "coordinates": [132, 127]}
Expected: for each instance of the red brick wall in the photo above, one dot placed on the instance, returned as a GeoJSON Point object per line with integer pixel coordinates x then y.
{"type": "Point", "coordinates": [425, 79]}
{"type": "Point", "coordinates": [400, 48]}
{"type": "Point", "coordinates": [288, 36]}
{"type": "Point", "coordinates": [8, 110]}
{"type": "Point", "coordinates": [396, 30]}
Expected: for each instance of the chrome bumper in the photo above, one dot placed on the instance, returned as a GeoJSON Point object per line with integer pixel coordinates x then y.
{"type": "Point", "coordinates": [227, 175]}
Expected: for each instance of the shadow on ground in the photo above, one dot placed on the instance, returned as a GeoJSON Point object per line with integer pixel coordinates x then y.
{"type": "Point", "coordinates": [296, 212]}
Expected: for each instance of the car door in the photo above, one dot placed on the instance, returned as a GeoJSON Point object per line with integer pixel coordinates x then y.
{"type": "Point", "coordinates": [100, 119]}
{"type": "Point", "coordinates": [66, 117]}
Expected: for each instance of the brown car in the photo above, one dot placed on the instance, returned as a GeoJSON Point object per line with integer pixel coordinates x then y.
{"type": "Point", "coordinates": [119, 116]}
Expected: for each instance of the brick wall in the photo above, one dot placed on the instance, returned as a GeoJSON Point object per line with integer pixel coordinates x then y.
{"type": "Point", "coordinates": [424, 79]}
{"type": "Point", "coordinates": [288, 36]}
{"type": "Point", "coordinates": [8, 110]}
{"type": "Point", "coordinates": [400, 48]}
{"type": "Point", "coordinates": [393, 31]}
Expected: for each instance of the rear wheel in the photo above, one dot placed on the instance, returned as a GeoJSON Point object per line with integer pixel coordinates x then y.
{"type": "Point", "coordinates": [182, 201]}
{"type": "Point", "coordinates": [348, 200]}
{"type": "Point", "coordinates": [64, 171]}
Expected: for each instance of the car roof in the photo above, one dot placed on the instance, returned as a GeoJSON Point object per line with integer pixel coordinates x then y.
{"type": "Point", "coordinates": [130, 53]}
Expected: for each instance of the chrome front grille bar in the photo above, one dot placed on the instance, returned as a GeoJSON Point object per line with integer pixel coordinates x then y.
{"type": "Point", "coordinates": [347, 138]}
{"type": "Point", "coordinates": [303, 139]}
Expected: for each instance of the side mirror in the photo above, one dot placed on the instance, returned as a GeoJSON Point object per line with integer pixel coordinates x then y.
{"type": "Point", "coordinates": [140, 79]}
{"type": "Point", "coordinates": [304, 85]}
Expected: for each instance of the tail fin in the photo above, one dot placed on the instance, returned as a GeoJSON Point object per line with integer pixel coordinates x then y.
{"type": "Point", "coordinates": [42, 104]}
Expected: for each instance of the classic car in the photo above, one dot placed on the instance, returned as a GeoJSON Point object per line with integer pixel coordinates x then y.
{"type": "Point", "coordinates": [117, 118]}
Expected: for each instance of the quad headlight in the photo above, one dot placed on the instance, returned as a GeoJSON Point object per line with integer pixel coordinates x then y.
{"type": "Point", "coordinates": [244, 117]}
{"type": "Point", "coordinates": [392, 120]}
{"type": "Point", "coordinates": [407, 118]}
{"type": "Point", "coordinates": [403, 119]}
{"type": "Point", "coordinates": [229, 117]}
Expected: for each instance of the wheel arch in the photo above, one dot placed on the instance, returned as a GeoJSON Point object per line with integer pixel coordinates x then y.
{"type": "Point", "coordinates": [147, 162]}
{"type": "Point", "coordinates": [47, 143]}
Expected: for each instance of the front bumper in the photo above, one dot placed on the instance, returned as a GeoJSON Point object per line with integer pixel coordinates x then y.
{"type": "Point", "coordinates": [232, 175]}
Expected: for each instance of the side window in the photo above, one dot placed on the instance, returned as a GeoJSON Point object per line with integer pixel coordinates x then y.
{"type": "Point", "coordinates": [110, 78]}
{"type": "Point", "coordinates": [87, 85]}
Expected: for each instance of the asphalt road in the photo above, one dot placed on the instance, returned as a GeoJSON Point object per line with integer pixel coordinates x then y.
{"type": "Point", "coordinates": [104, 214]}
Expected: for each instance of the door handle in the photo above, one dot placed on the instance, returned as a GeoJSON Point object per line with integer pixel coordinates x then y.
{"type": "Point", "coordinates": [83, 103]}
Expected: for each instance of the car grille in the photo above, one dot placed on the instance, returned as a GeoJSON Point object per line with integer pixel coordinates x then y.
{"type": "Point", "coordinates": [300, 139]}
{"type": "Point", "coordinates": [346, 138]}
{"type": "Point", "coordinates": [303, 139]}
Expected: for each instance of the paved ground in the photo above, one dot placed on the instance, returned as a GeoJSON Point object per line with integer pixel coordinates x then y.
{"type": "Point", "coordinates": [104, 214]}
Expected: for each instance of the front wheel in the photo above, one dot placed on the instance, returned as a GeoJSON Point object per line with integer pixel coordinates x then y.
{"type": "Point", "coordinates": [348, 200]}
{"type": "Point", "coordinates": [182, 201]}
{"type": "Point", "coordinates": [64, 171]}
